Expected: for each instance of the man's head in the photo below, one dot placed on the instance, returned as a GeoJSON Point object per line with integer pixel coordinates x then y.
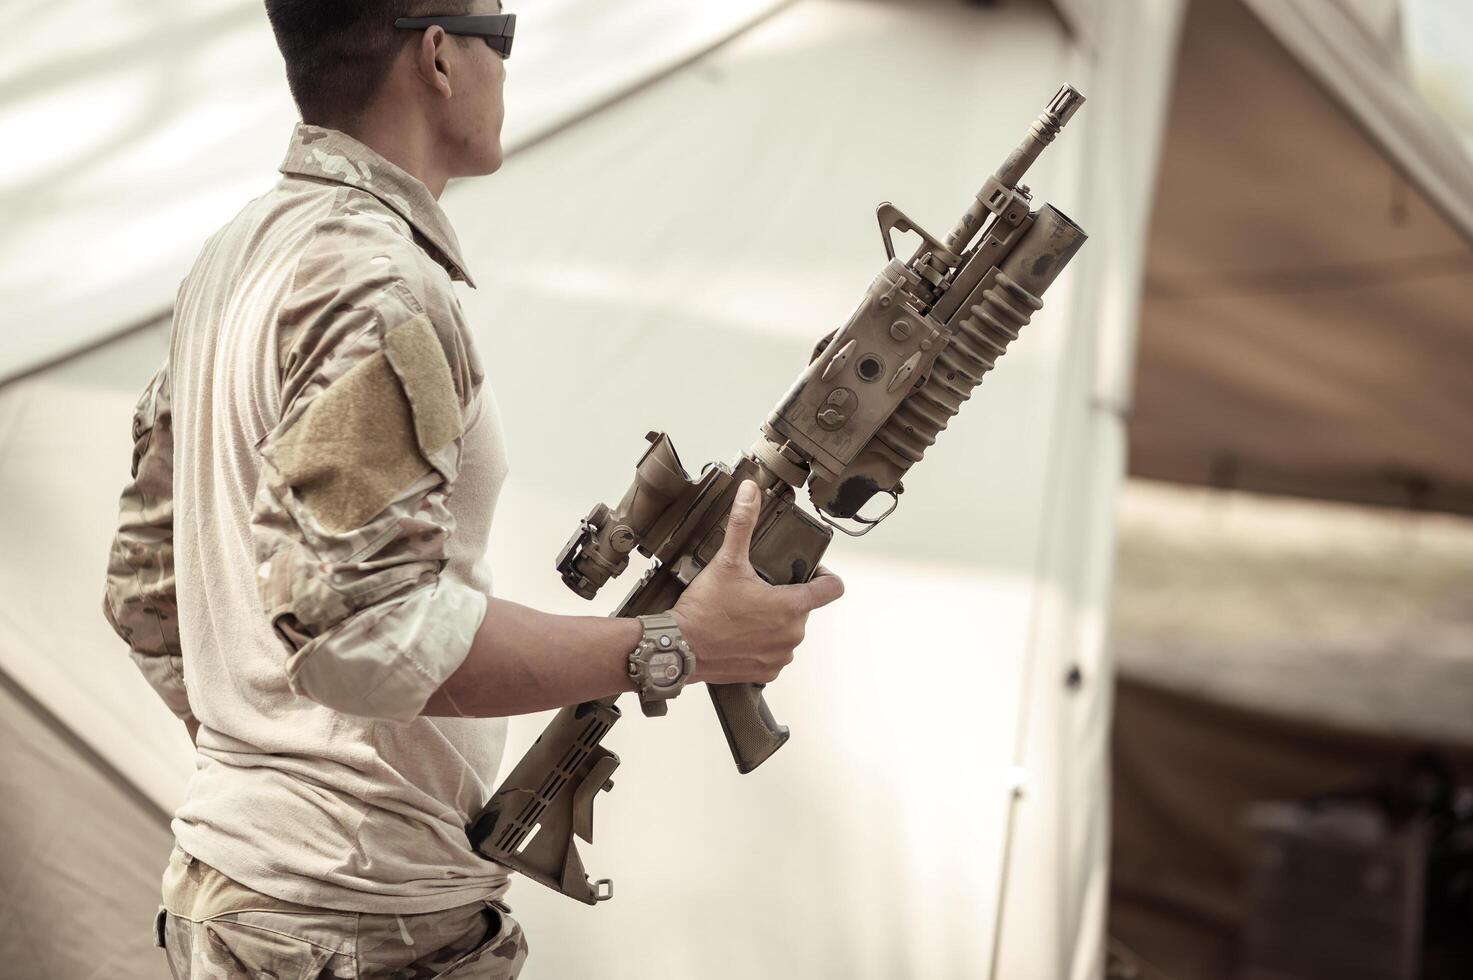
{"type": "Point", "coordinates": [351, 69]}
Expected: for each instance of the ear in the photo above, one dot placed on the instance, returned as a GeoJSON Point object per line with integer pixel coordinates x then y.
{"type": "Point", "coordinates": [431, 60]}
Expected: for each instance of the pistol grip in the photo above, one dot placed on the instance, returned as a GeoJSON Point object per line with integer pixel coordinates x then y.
{"type": "Point", "coordinates": [751, 731]}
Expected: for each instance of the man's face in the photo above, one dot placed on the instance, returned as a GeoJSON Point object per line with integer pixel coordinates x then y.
{"type": "Point", "coordinates": [480, 106]}
{"type": "Point", "coordinates": [457, 81]}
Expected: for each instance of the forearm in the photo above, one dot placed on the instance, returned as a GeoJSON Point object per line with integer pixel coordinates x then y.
{"type": "Point", "coordinates": [524, 660]}
{"type": "Point", "coordinates": [140, 600]}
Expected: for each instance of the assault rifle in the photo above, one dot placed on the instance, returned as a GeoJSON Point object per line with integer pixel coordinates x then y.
{"type": "Point", "coordinates": [872, 400]}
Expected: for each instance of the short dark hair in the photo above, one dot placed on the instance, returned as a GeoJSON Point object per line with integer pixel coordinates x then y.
{"type": "Point", "coordinates": [338, 52]}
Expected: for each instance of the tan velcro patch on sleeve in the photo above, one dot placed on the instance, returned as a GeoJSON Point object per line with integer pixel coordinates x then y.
{"type": "Point", "coordinates": [415, 353]}
{"type": "Point", "coordinates": [355, 449]}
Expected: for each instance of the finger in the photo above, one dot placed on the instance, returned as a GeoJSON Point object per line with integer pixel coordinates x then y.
{"type": "Point", "coordinates": [821, 590]}
{"type": "Point", "coordinates": [811, 595]}
{"type": "Point", "coordinates": [739, 524]}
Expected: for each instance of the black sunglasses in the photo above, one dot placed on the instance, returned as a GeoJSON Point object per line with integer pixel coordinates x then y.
{"type": "Point", "coordinates": [496, 29]}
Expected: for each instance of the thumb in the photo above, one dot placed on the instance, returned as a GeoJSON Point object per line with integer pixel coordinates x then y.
{"type": "Point", "coordinates": [735, 548]}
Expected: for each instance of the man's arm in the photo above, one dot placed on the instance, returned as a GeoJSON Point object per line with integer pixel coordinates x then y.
{"type": "Point", "coordinates": [525, 660]}
{"type": "Point", "coordinates": [740, 628]}
{"type": "Point", "coordinates": [139, 600]}
{"type": "Point", "coordinates": [351, 524]}
{"type": "Point", "coordinates": [350, 521]}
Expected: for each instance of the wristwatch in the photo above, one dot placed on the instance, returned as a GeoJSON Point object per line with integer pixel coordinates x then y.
{"type": "Point", "coordinates": [661, 664]}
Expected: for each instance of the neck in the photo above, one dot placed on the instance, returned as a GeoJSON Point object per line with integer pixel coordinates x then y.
{"type": "Point", "coordinates": [405, 145]}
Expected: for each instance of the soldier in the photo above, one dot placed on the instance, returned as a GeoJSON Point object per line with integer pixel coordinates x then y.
{"type": "Point", "coordinates": [298, 568]}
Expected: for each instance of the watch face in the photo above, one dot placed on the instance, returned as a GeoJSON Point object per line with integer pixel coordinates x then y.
{"type": "Point", "coordinates": [664, 668]}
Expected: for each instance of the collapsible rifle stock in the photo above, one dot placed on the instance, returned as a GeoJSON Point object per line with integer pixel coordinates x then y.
{"type": "Point", "coordinates": [872, 400]}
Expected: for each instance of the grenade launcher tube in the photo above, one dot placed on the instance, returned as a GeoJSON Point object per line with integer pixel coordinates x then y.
{"type": "Point", "coordinates": [1000, 306]}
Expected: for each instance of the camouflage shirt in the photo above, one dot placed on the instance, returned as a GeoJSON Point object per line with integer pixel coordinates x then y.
{"type": "Point", "coordinates": [350, 523]}
{"type": "Point", "coordinates": [299, 561]}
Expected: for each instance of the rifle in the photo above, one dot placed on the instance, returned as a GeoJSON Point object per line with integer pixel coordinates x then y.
{"type": "Point", "coordinates": [874, 397]}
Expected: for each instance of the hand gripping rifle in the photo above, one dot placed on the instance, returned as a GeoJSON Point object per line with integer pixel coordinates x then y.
{"type": "Point", "coordinates": [873, 398]}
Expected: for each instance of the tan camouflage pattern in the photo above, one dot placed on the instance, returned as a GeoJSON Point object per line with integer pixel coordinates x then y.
{"type": "Point", "coordinates": [368, 623]}
{"type": "Point", "coordinates": [371, 432]}
{"type": "Point", "coordinates": [316, 151]}
{"type": "Point", "coordinates": [139, 601]}
{"type": "Point", "coordinates": [216, 928]}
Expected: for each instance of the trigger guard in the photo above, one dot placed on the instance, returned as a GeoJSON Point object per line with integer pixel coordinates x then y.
{"type": "Point", "coordinates": [870, 523]}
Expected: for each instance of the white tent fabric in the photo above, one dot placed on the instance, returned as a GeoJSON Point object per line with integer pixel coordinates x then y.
{"type": "Point", "coordinates": [1057, 887]}
{"type": "Point", "coordinates": [721, 219]}
{"type": "Point", "coordinates": [183, 104]}
{"type": "Point", "coordinates": [82, 851]}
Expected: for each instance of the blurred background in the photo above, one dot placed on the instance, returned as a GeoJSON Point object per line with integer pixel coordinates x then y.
{"type": "Point", "coordinates": [1161, 670]}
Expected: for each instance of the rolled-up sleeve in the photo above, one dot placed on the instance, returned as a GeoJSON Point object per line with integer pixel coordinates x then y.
{"type": "Point", "coordinates": [350, 521]}
{"type": "Point", "coordinates": [139, 601]}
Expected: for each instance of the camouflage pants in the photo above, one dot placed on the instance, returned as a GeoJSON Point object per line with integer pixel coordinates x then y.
{"type": "Point", "coordinates": [215, 928]}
